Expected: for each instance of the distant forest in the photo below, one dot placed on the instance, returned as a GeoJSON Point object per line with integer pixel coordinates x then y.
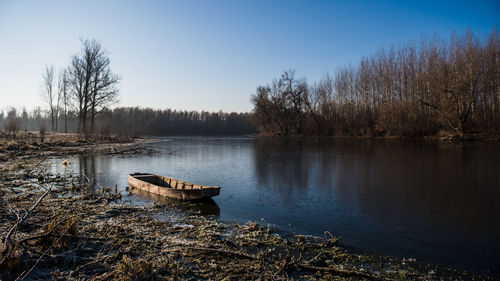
{"type": "Point", "coordinates": [146, 121]}
{"type": "Point", "coordinates": [136, 121]}
{"type": "Point", "coordinates": [417, 89]}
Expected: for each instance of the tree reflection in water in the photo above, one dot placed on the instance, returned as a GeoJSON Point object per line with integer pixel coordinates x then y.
{"type": "Point", "coordinates": [439, 200]}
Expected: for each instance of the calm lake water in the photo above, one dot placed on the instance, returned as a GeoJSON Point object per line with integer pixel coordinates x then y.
{"type": "Point", "coordinates": [437, 203]}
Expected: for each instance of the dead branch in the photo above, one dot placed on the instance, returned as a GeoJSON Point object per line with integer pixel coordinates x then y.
{"type": "Point", "coordinates": [25, 216]}
{"type": "Point", "coordinates": [227, 252]}
{"type": "Point", "coordinates": [340, 272]}
{"type": "Point", "coordinates": [36, 165]}
{"type": "Point", "coordinates": [58, 235]}
{"type": "Point", "coordinates": [27, 273]}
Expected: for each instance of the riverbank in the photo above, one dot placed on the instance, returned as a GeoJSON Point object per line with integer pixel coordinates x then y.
{"type": "Point", "coordinates": [76, 234]}
{"type": "Point", "coordinates": [441, 137]}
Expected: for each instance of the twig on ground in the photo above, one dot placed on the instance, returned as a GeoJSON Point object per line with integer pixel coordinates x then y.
{"type": "Point", "coordinates": [21, 220]}
{"type": "Point", "coordinates": [36, 165]}
{"type": "Point", "coordinates": [340, 272]}
{"type": "Point", "coordinates": [227, 252]}
{"type": "Point", "coordinates": [26, 274]}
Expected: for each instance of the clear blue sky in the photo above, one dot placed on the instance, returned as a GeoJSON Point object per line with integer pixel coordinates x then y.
{"type": "Point", "coordinates": [211, 55]}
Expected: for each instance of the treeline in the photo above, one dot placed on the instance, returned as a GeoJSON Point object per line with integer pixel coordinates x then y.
{"type": "Point", "coordinates": [12, 121]}
{"type": "Point", "coordinates": [416, 89]}
{"type": "Point", "coordinates": [133, 122]}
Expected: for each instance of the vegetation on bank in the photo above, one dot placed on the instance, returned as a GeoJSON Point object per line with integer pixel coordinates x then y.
{"type": "Point", "coordinates": [416, 89]}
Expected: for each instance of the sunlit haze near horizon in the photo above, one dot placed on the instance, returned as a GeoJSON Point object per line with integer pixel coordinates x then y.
{"type": "Point", "coordinates": [211, 55]}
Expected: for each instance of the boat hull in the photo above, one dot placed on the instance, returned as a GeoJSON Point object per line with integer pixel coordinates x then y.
{"type": "Point", "coordinates": [170, 187]}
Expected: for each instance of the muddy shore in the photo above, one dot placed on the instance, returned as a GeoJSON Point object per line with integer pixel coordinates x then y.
{"type": "Point", "coordinates": [55, 228]}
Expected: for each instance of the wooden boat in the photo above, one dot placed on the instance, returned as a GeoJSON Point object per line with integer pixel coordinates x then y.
{"type": "Point", "coordinates": [170, 187]}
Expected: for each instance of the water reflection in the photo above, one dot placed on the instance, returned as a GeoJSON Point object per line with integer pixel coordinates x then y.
{"type": "Point", "coordinates": [284, 166]}
{"type": "Point", "coordinates": [437, 202]}
{"type": "Point", "coordinates": [87, 170]}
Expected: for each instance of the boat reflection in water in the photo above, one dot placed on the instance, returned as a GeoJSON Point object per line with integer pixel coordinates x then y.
{"type": "Point", "coordinates": [205, 206]}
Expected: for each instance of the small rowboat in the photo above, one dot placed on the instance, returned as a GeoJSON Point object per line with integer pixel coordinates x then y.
{"type": "Point", "coordinates": [170, 187]}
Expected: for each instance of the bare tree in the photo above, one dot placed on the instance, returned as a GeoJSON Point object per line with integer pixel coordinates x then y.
{"type": "Point", "coordinates": [25, 118]}
{"type": "Point", "coordinates": [265, 111]}
{"type": "Point", "coordinates": [42, 130]}
{"type": "Point", "coordinates": [37, 117]}
{"type": "Point", "coordinates": [77, 96]}
{"type": "Point", "coordinates": [320, 103]}
{"type": "Point", "coordinates": [49, 94]}
{"type": "Point", "coordinates": [63, 95]}
{"type": "Point", "coordinates": [104, 91]}
{"type": "Point", "coordinates": [458, 81]}
{"type": "Point", "coordinates": [93, 86]}
{"type": "Point", "coordinates": [1, 119]}
{"type": "Point", "coordinates": [12, 124]}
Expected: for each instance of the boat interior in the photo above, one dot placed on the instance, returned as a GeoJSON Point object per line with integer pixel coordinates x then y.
{"type": "Point", "coordinates": [168, 182]}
